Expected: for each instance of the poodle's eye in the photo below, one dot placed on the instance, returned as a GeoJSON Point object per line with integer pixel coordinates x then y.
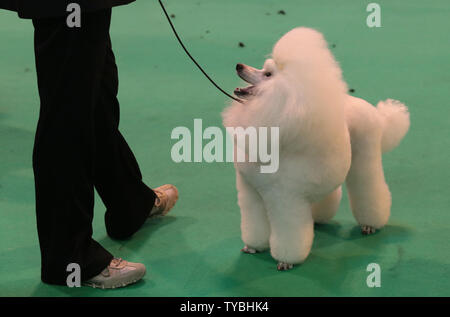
{"type": "Point", "coordinates": [268, 74]}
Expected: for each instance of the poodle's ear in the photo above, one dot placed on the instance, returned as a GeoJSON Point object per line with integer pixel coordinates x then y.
{"type": "Point", "coordinates": [274, 94]}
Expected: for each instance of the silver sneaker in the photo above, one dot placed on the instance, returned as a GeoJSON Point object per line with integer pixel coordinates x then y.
{"type": "Point", "coordinates": [119, 273]}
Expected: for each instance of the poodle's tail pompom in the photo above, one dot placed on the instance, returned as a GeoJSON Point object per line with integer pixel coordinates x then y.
{"type": "Point", "coordinates": [395, 123]}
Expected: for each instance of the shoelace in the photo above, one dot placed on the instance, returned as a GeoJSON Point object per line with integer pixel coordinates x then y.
{"type": "Point", "coordinates": [115, 262]}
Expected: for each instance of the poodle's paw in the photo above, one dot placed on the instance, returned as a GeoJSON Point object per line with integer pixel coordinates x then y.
{"type": "Point", "coordinates": [248, 250]}
{"type": "Point", "coordinates": [282, 266]}
{"type": "Point", "coordinates": [366, 230]}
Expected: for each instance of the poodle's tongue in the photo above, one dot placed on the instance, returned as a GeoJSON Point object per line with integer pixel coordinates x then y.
{"type": "Point", "coordinates": [244, 92]}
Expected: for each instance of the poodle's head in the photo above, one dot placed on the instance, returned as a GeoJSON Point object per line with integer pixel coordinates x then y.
{"type": "Point", "coordinates": [300, 58]}
{"type": "Point", "coordinates": [300, 79]}
{"type": "Point", "coordinates": [255, 77]}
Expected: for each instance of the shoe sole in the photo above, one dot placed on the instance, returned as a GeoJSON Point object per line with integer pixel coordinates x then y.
{"type": "Point", "coordinates": [114, 286]}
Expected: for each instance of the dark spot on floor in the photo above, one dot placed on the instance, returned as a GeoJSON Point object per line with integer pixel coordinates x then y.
{"type": "Point", "coordinates": [172, 16]}
{"type": "Point", "coordinates": [282, 12]}
{"type": "Point", "coordinates": [207, 31]}
{"type": "Point", "coordinates": [267, 13]}
{"type": "Point", "coordinates": [400, 253]}
{"type": "Point", "coordinates": [241, 44]}
{"type": "Point", "coordinates": [27, 70]}
{"type": "Point", "coordinates": [351, 90]}
{"type": "Point", "coordinates": [333, 45]}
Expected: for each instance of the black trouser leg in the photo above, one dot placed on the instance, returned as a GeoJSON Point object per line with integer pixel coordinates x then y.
{"type": "Point", "coordinates": [69, 64]}
{"type": "Point", "coordinates": [118, 179]}
{"type": "Point", "coordinates": [78, 145]}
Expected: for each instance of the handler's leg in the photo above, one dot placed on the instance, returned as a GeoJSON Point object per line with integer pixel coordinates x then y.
{"type": "Point", "coordinates": [69, 64]}
{"type": "Point", "coordinates": [118, 179]}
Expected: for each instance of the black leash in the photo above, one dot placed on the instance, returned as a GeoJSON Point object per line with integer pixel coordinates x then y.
{"type": "Point", "coordinates": [195, 62]}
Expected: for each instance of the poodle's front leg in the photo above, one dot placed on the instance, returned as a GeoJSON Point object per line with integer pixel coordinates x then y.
{"type": "Point", "coordinates": [292, 229]}
{"type": "Point", "coordinates": [254, 222]}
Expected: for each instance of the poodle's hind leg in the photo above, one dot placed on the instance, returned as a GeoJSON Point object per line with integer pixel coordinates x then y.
{"type": "Point", "coordinates": [255, 226]}
{"type": "Point", "coordinates": [324, 210]}
{"type": "Point", "coordinates": [292, 229]}
{"type": "Point", "coordinates": [368, 192]}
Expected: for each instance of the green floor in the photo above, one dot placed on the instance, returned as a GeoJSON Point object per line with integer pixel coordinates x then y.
{"type": "Point", "coordinates": [195, 250]}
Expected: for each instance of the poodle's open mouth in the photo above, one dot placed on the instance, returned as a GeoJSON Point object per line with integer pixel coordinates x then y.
{"type": "Point", "coordinates": [250, 75]}
{"type": "Point", "coordinates": [245, 92]}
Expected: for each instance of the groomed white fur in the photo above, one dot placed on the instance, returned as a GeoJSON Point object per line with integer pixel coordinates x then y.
{"type": "Point", "coordinates": [326, 138]}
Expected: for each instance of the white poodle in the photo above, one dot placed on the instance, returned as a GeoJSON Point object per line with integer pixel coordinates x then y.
{"type": "Point", "coordinates": [326, 137]}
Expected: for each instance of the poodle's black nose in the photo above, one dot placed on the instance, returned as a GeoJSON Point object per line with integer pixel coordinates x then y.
{"type": "Point", "coordinates": [239, 67]}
